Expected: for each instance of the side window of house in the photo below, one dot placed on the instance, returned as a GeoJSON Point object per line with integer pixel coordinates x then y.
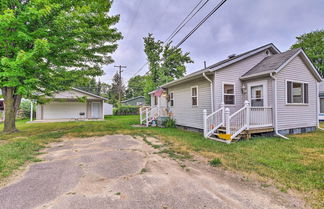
{"type": "Point", "coordinates": [171, 99]}
{"type": "Point", "coordinates": [228, 94]}
{"type": "Point", "coordinates": [297, 92]}
{"type": "Point", "coordinates": [194, 96]}
{"type": "Point", "coordinates": [155, 100]}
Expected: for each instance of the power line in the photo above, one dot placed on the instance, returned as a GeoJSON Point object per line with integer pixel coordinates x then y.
{"type": "Point", "coordinates": [200, 23]}
{"type": "Point", "coordinates": [186, 20]}
{"type": "Point", "coordinates": [178, 28]}
{"type": "Point", "coordinates": [120, 82]}
{"type": "Point", "coordinates": [194, 29]}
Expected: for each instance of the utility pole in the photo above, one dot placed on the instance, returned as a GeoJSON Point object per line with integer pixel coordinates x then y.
{"type": "Point", "coordinates": [120, 82]}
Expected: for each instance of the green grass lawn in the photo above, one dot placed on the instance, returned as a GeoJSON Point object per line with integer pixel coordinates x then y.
{"type": "Point", "coordinates": [296, 164]}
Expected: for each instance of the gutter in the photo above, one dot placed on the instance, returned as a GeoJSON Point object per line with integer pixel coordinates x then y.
{"type": "Point", "coordinates": [275, 107]}
{"type": "Point", "coordinates": [211, 92]}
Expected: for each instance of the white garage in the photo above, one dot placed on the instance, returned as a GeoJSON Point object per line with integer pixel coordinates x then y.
{"type": "Point", "coordinates": [74, 104]}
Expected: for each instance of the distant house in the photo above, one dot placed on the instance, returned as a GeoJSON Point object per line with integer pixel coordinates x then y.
{"type": "Point", "coordinates": [136, 101]}
{"type": "Point", "coordinates": [321, 95]}
{"type": "Point", "coordinates": [260, 91]}
{"type": "Point", "coordinates": [74, 104]}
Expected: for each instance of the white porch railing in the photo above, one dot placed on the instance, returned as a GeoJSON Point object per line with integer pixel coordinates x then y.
{"type": "Point", "coordinates": [245, 118]}
{"type": "Point", "coordinates": [213, 121]}
{"type": "Point", "coordinates": [260, 117]}
{"type": "Point", "coordinates": [237, 122]}
{"type": "Point", "coordinates": [147, 114]}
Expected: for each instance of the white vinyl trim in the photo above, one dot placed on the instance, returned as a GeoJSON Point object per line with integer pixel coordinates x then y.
{"type": "Point", "coordinates": [223, 94]}
{"type": "Point", "coordinates": [303, 93]}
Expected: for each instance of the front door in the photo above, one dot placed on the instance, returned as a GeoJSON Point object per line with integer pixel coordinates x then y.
{"type": "Point", "coordinates": [258, 99]}
{"type": "Point", "coordinates": [258, 94]}
{"type": "Point", "coordinates": [95, 110]}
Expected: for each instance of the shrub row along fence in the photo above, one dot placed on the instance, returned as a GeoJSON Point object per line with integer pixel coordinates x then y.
{"type": "Point", "coordinates": [126, 110]}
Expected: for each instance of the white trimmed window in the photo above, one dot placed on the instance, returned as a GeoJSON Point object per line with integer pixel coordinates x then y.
{"type": "Point", "coordinates": [297, 92]}
{"type": "Point", "coordinates": [194, 96]}
{"type": "Point", "coordinates": [228, 94]}
{"type": "Point", "coordinates": [171, 99]}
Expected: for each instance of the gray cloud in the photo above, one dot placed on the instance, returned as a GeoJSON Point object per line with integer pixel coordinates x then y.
{"type": "Point", "coordinates": [238, 26]}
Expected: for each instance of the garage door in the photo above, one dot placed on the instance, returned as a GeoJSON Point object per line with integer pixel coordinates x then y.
{"type": "Point", "coordinates": [64, 110]}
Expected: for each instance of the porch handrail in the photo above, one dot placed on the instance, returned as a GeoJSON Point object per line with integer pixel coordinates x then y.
{"type": "Point", "coordinates": [214, 120]}
{"type": "Point", "coordinates": [238, 121]}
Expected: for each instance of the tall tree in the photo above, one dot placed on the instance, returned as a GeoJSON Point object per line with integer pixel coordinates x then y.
{"type": "Point", "coordinates": [166, 63]}
{"type": "Point", "coordinates": [45, 45]}
{"type": "Point", "coordinates": [135, 86]}
{"type": "Point", "coordinates": [117, 89]}
{"type": "Point", "coordinates": [313, 45]}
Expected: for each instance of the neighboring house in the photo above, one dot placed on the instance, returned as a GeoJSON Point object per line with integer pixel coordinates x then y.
{"type": "Point", "coordinates": [321, 95]}
{"type": "Point", "coordinates": [74, 104]}
{"type": "Point", "coordinates": [136, 101]}
{"type": "Point", "coordinates": [260, 91]}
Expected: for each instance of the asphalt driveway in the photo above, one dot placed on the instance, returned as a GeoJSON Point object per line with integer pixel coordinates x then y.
{"type": "Point", "coordinates": [125, 172]}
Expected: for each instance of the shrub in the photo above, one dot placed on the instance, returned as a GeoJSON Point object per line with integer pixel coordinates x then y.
{"type": "Point", "coordinates": [126, 110]}
{"type": "Point", "coordinates": [215, 162]}
{"type": "Point", "coordinates": [24, 109]}
{"type": "Point", "coordinates": [169, 123]}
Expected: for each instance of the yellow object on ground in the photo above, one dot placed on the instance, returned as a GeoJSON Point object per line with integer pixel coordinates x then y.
{"type": "Point", "coordinates": [225, 136]}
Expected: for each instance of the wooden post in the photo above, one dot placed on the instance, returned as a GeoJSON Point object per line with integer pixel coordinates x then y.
{"type": "Point", "coordinates": [227, 119]}
{"type": "Point", "coordinates": [205, 122]}
{"type": "Point", "coordinates": [248, 110]}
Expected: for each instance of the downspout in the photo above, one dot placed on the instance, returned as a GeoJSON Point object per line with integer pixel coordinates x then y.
{"type": "Point", "coordinates": [211, 92]}
{"type": "Point", "coordinates": [318, 106]}
{"type": "Point", "coordinates": [275, 108]}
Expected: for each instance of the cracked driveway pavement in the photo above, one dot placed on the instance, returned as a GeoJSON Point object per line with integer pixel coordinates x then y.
{"type": "Point", "coordinates": [124, 172]}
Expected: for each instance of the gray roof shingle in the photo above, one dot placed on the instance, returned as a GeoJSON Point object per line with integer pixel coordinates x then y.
{"type": "Point", "coordinates": [271, 63]}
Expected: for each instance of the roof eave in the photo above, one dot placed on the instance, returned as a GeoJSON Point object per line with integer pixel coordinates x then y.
{"type": "Point", "coordinates": [244, 57]}
{"type": "Point", "coordinates": [185, 79]}
{"type": "Point", "coordinates": [90, 94]}
{"type": "Point", "coordinates": [308, 63]}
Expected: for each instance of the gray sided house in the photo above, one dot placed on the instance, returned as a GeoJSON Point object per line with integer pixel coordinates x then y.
{"type": "Point", "coordinates": [74, 104]}
{"type": "Point", "coordinates": [259, 91]}
{"type": "Point", "coordinates": [136, 101]}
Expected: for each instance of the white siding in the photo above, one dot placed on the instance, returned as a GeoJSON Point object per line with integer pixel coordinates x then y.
{"type": "Point", "coordinates": [232, 74]}
{"type": "Point", "coordinates": [108, 109]}
{"type": "Point", "coordinates": [183, 111]}
{"type": "Point", "coordinates": [296, 116]}
{"type": "Point", "coordinates": [64, 110]}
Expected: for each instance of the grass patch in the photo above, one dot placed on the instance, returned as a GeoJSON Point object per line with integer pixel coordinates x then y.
{"type": "Point", "coordinates": [144, 170]}
{"type": "Point", "coordinates": [215, 162]}
{"type": "Point", "coordinates": [296, 164]}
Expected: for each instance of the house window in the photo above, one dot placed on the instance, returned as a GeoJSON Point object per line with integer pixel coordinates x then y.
{"type": "Point", "coordinates": [171, 99]}
{"type": "Point", "coordinates": [155, 100]}
{"type": "Point", "coordinates": [321, 105]}
{"type": "Point", "coordinates": [297, 93]}
{"type": "Point", "coordinates": [194, 96]}
{"type": "Point", "coordinates": [228, 94]}
{"type": "Point", "coordinates": [257, 99]}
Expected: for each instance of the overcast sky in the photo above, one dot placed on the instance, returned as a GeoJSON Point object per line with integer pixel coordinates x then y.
{"type": "Point", "coordinates": [238, 26]}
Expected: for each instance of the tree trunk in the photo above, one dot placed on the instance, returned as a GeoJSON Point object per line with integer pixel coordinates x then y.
{"type": "Point", "coordinates": [11, 105]}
